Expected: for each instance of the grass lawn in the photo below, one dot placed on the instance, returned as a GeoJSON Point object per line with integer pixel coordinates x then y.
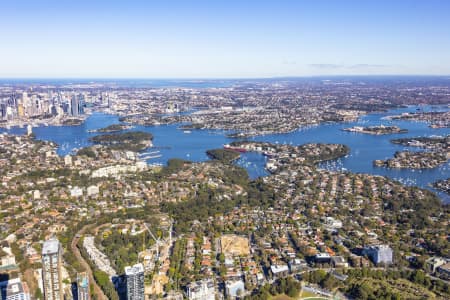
{"type": "Point", "coordinates": [310, 296]}
{"type": "Point", "coordinates": [281, 297]}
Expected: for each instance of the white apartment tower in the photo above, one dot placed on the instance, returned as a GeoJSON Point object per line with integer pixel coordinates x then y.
{"type": "Point", "coordinates": [51, 270]}
{"type": "Point", "coordinates": [135, 282]}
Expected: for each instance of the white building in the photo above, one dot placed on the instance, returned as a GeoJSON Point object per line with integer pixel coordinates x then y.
{"type": "Point", "coordinates": [29, 129]}
{"type": "Point", "coordinates": [332, 223]}
{"type": "Point", "coordinates": [9, 259]}
{"type": "Point", "coordinates": [201, 290]}
{"type": "Point", "coordinates": [433, 263]}
{"type": "Point", "coordinates": [135, 282]}
{"type": "Point", "coordinates": [98, 257]}
{"type": "Point", "coordinates": [92, 190]}
{"type": "Point", "coordinates": [234, 288]}
{"type": "Point", "coordinates": [118, 169]}
{"type": "Point", "coordinates": [36, 195]}
{"type": "Point", "coordinates": [279, 270]}
{"type": "Point", "coordinates": [51, 270]}
{"type": "Point", "coordinates": [76, 192]}
{"type": "Point", "coordinates": [68, 160]}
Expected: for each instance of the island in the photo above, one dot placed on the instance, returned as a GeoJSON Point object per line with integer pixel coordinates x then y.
{"type": "Point", "coordinates": [376, 130]}
{"type": "Point", "coordinates": [224, 155]}
{"type": "Point", "coordinates": [72, 122]}
{"type": "Point", "coordinates": [112, 128]}
{"type": "Point", "coordinates": [131, 141]}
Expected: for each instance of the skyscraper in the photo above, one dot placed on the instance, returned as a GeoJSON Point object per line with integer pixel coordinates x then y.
{"type": "Point", "coordinates": [25, 99]}
{"type": "Point", "coordinates": [81, 104]}
{"type": "Point", "coordinates": [83, 286]}
{"type": "Point", "coordinates": [51, 270]}
{"type": "Point", "coordinates": [2, 110]}
{"type": "Point", "coordinates": [135, 282]}
{"type": "Point", "coordinates": [74, 106]}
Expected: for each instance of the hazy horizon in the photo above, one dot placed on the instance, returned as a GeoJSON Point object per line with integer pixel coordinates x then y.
{"type": "Point", "coordinates": [320, 76]}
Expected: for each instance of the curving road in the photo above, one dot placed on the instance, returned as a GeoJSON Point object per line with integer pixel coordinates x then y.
{"type": "Point", "coordinates": [97, 290]}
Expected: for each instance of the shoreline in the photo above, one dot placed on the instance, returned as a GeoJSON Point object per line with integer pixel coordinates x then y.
{"type": "Point", "coordinates": [176, 150]}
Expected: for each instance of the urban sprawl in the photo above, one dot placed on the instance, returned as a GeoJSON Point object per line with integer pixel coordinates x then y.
{"type": "Point", "coordinates": [101, 223]}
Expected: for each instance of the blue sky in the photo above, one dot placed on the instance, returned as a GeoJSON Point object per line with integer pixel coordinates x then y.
{"type": "Point", "coordinates": [223, 39]}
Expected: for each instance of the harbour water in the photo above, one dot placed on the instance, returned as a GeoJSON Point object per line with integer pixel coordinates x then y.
{"type": "Point", "coordinates": [170, 142]}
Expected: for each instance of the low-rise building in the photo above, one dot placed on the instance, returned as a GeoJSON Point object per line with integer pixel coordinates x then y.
{"type": "Point", "coordinates": [234, 288]}
{"type": "Point", "coordinates": [296, 265]}
{"type": "Point", "coordinates": [92, 191]}
{"type": "Point", "coordinates": [433, 263]}
{"type": "Point", "coordinates": [76, 192]}
{"type": "Point", "coordinates": [7, 258]}
{"type": "Point", "coordinates": [339, 262]}
{"type": "Point", "coordinates": [14, 289]}
{"type": "Point", "coordinates": [444, 271]}
{"type": "Point", "coordinates": [379, 254]}
{"type": "Point", "coordinates": [201, 290]}
{"type": "Point", "coordinates": [332, 224]}
{"type": "Point", "coordinates": [322, 258]}
{"type": "Point", "coordinates": [68, 160]}
{"type": "Point", "coordinates": [279, 270]}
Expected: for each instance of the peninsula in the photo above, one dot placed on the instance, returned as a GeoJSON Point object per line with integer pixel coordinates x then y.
{"type": "Point", "coordinates": [134, 140]}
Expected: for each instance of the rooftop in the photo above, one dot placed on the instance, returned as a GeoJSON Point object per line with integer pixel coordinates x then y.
{"type": "Point", "coordinates": [13, 287]}
{"type": "Point", "coordinates": [50, 247]}
{"type": "Point", "coordinates": [133, 270]}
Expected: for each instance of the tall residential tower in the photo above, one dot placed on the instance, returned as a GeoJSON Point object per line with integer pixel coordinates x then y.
{"type": "Point", "coordinates": [83, 286]}
{"type": "Point", "coordinates": [51, 270]}
{"type": "Point", "coordinates": [135, 282]}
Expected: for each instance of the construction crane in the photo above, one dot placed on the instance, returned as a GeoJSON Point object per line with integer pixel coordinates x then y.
{"type": "Point", "coordinates": [158, 241]}
{"type": "Point", "coordinates": [170, 232]}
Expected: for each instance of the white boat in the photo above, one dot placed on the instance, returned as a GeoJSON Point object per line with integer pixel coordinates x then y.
{"type": "Point", "coordinates": [150, 156]}
{"type": "Point", "coordinates": [150, 152]}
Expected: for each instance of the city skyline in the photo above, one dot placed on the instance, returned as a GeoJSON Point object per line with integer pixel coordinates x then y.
{"type": "Point", "coordinates": [260, 39]}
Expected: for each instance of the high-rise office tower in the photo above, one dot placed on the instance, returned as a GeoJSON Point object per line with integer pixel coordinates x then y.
{"type": "Point", "coordinates": [135, 282]}
{"type": "Point", "coordinates": [20, 110]}
{"type": "Point", "coordinates": [25, 99]}
{"type": "Point", "coordinates": [51, 270]}
{"type": "Point", "coordinates": [83, 286]}
{"type": "Point", "coordinates": [2, 110]}
{"type": "Point", "coordinates": [12, 101]}
{"type": "Point", "coordinates": [81, 103]}
{"type": "Point", "coordinates": [74, 106]}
